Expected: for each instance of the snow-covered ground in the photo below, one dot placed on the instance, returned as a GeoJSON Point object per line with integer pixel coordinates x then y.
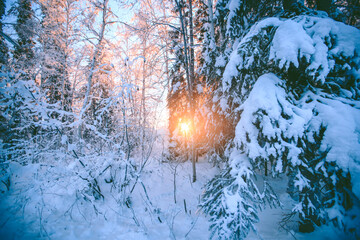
{"type": "Point", "coordinates": [46, 202]}
{"type": "Point", "coordinates": [36, 208]}
{"type": "Point", "coordinates": [270, 218]}
{"type": "Point", "coordinates": [157, 218]}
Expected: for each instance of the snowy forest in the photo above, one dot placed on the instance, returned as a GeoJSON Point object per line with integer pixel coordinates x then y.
{"type": "Point", "coordinates": [180, 119]}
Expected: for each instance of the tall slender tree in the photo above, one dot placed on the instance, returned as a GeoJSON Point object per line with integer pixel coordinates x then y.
{"type": "Point", "coordinates": [149, 62]}
{"type": "Point", "coordinates": [186, 38]}
{"type": "Point", "coordinates": [94, 109]}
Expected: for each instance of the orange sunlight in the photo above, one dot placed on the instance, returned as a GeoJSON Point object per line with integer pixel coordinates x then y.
{"type": "Point", "coordinates": [185, 128]}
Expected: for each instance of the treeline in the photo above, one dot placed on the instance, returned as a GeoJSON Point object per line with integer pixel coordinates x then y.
{"type": "Point", "coordinates": [94, 74]}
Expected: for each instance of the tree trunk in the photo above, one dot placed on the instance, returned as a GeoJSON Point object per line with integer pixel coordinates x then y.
{"type": "Point", "coordinates": [211, 20]}
{"type": "Point", "coordinates": [143, 115]}
{"type": "Point", "coordinates": [93, 64]}
{"type": "Point", "coordinates": [294, 6]}
{"type": "Point", "coordinates": [189, 68]}
{"type": "Point", "coordinates": [324, 5]}
{"type": "Point", "coordinates": [192, 81]}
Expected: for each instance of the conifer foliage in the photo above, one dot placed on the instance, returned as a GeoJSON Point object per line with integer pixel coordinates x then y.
{"type": "Point", "coordinates": [3, 46]}
{"type": "Point", "coordinates": [276, 74]}
{"type": "Point", "coordinates": [25, 27]}
{"type": "Point", "coordinates": [54, 38]}
{"type": "Point", "coordinates": [285, 81]}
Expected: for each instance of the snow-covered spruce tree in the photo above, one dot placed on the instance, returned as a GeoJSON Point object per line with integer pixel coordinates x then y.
{"type": "Point", "coordinates": [24, 53]}
{"type": "Point", "coordinates": [26, 120]}
{"type": "Point", "coordinates": [25, 116]}
{"type": "Point", "coordinates": [55, 40]}
{"type": "Point", "coordinates": [295, 84]}
{"type": "Point", "coordinates": [212, 28]}
{"type": "Point", "coordinates": [3, 47]}
{"type": "Point", "coordinates": [232, 199]}
{"type": "Point", "coordinates": [230, 21]}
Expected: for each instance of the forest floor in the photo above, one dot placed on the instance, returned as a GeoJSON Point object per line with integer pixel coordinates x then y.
{"type": "Point", "coordinates": [159, 208]}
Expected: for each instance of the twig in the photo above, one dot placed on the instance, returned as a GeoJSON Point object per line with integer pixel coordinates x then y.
{"type": "Point", "coordinates": [192, 226]}
{"type": "Point", "coordinates": [284, 220]}
{"type": "Point", "coordinates": [185, 206]}
{"type": "Point", "coordinates": [175, 184]}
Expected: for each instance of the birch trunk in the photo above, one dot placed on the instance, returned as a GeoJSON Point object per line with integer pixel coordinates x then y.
{"type": "Point", "coordinates": [93, 64]}
{"type": "Point", "coordinates": [191, 89]}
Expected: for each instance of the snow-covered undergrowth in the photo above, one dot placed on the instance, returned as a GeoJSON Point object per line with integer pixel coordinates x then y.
{"type": "Point", "coordinates": [52, 202]}
{"type": "Point", "coordinates": [57, 199]}
{"type": "Point", "coordinates": [63, 177]}
{"type": "Point", "coordinates": [90, 198]}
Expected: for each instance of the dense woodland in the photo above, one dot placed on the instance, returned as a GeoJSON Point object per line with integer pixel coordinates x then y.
{"type": "Point", "coordinates": [264, 91]}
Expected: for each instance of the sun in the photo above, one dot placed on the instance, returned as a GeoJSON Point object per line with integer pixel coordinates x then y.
{"type": "Point", "coordinates": [185, 128]}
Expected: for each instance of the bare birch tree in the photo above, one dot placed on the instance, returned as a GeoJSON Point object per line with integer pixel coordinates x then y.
{"type": "Point", "coordinates": [102, 9]}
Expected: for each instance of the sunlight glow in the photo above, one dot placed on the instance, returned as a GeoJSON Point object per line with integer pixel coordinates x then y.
{"type": "Point", "coordinates": [185, 128]}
